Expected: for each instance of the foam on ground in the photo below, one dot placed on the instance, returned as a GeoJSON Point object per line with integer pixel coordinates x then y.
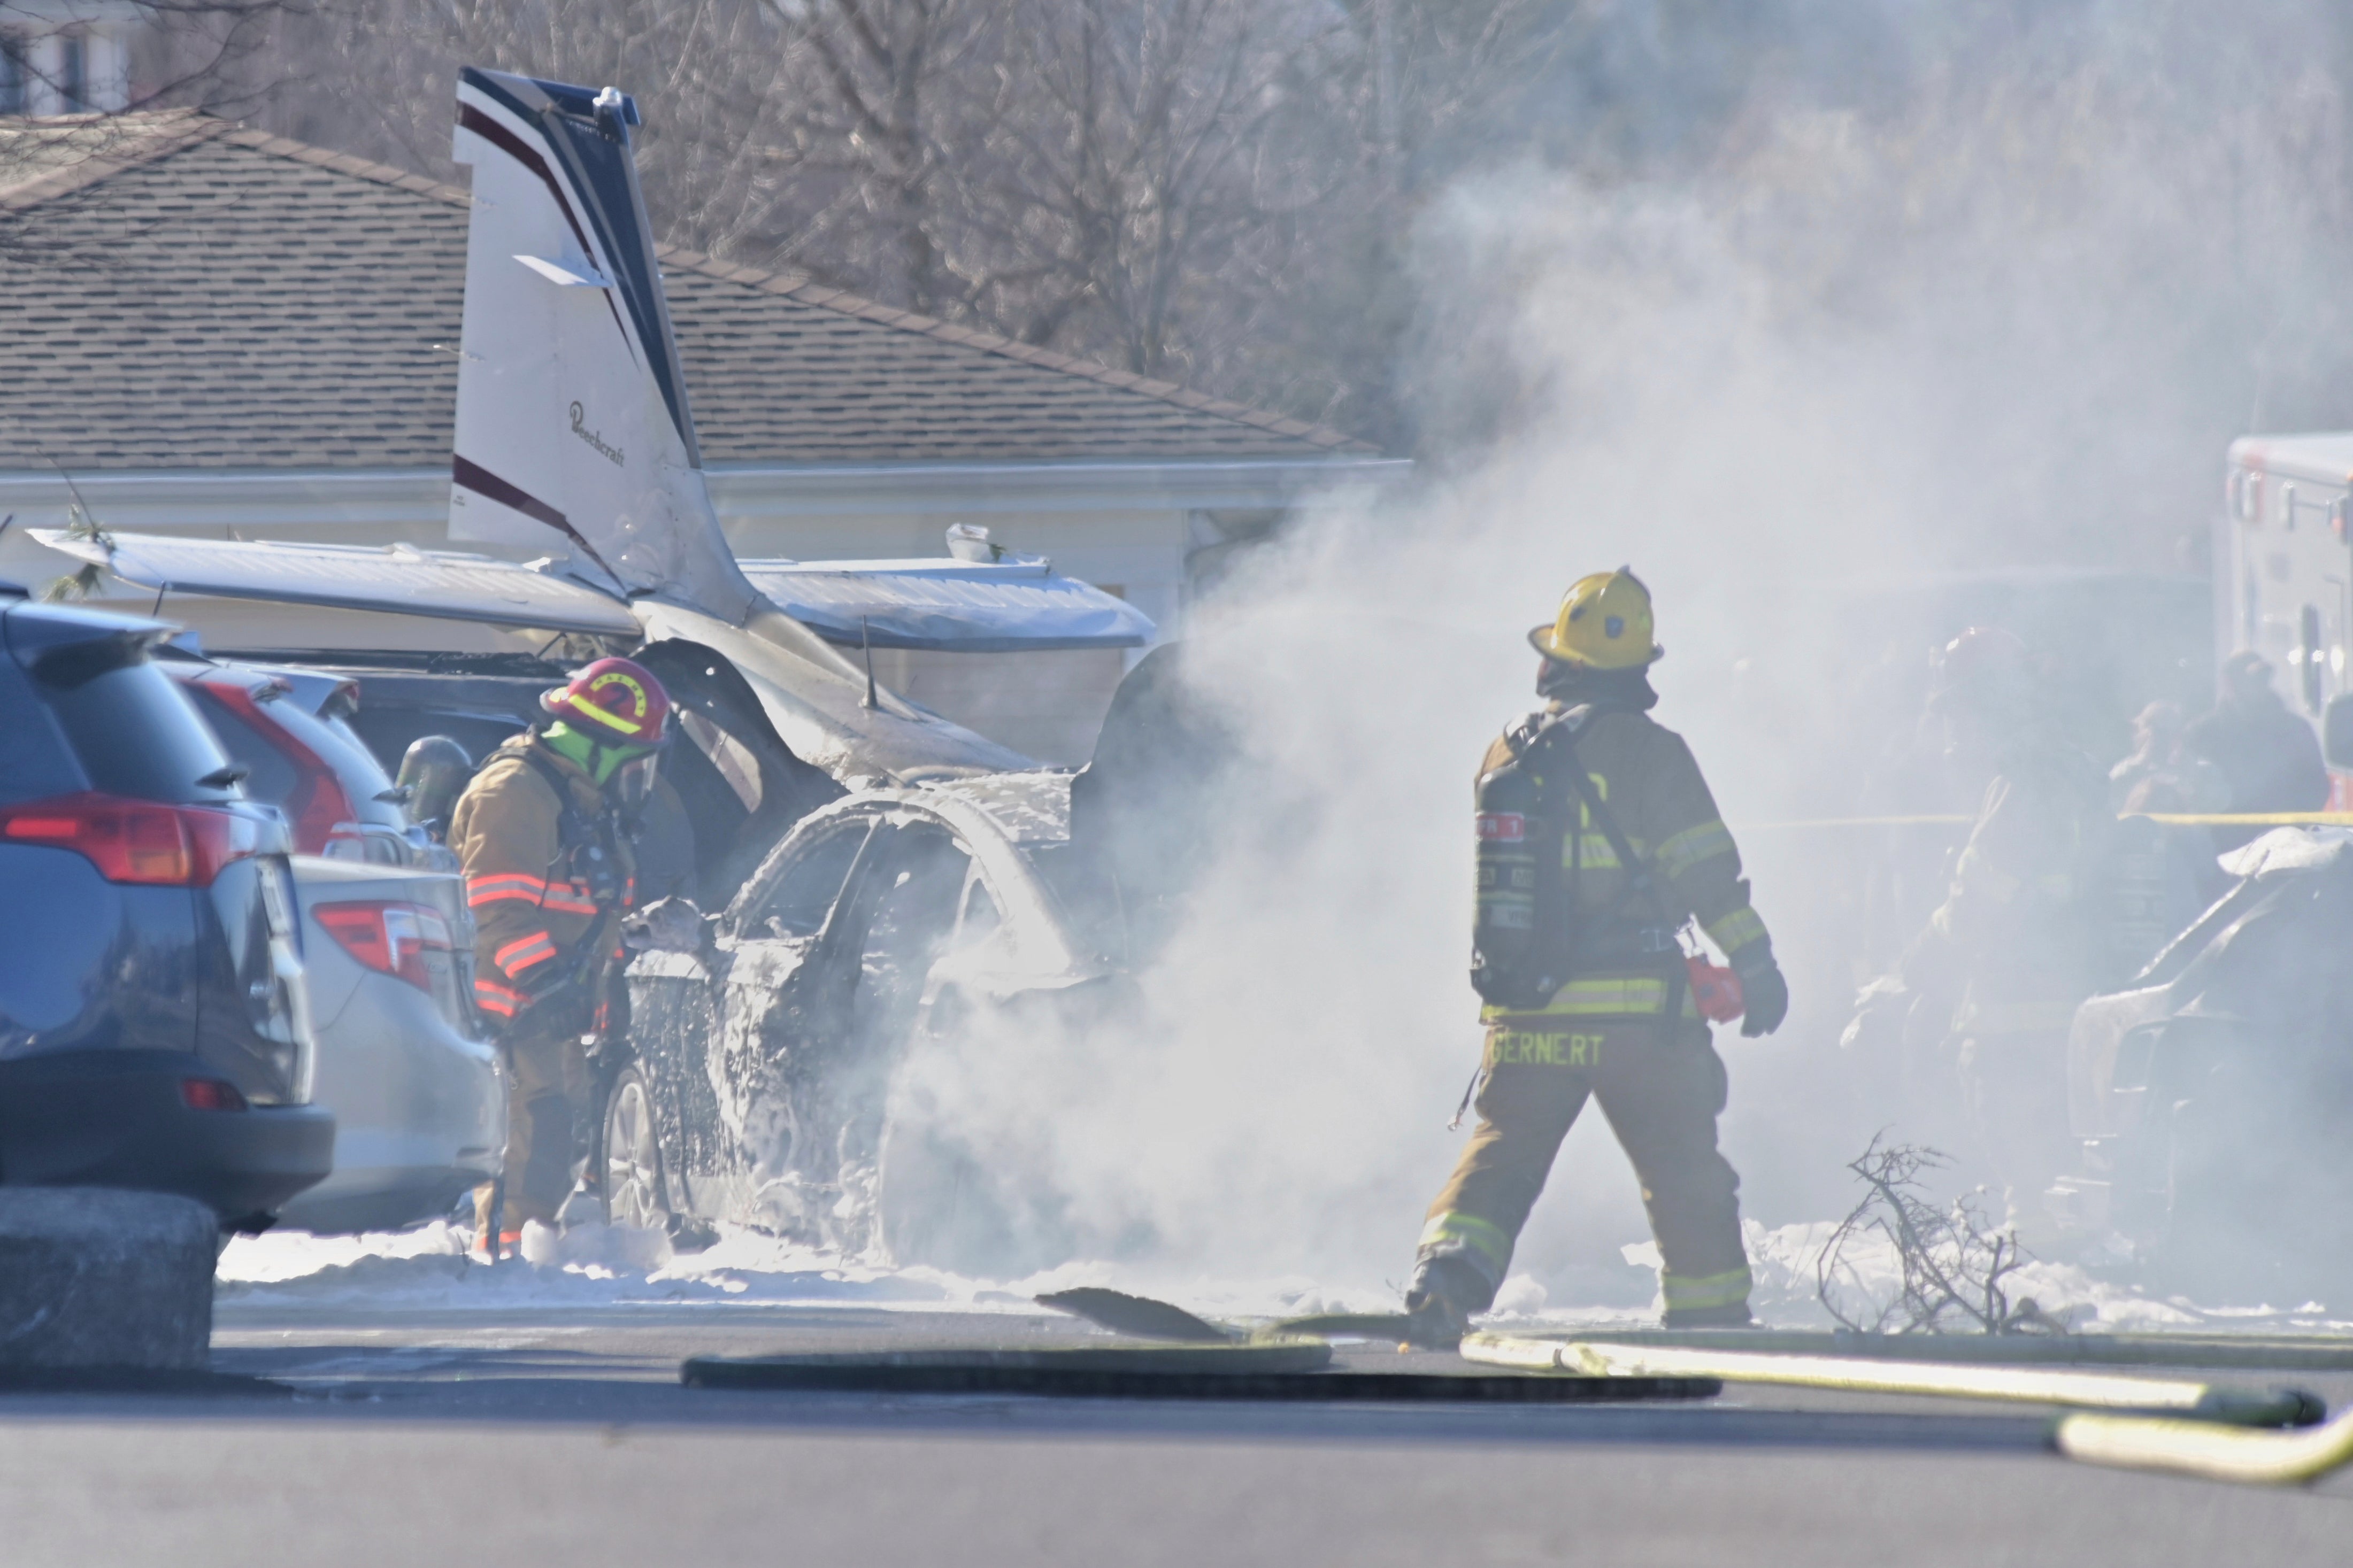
{"type": "Point", "coordinates": [426, 1270]}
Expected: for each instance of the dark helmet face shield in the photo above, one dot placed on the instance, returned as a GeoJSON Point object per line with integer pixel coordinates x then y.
{"type": "Point", "coordinates": [633, 780]}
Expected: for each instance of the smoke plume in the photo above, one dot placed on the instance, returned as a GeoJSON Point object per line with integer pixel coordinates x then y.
{"type": "Point", "coordinates": [1998, 307]}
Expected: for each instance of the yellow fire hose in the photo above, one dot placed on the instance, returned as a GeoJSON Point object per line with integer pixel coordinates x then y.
{"type": "Point", "coordinates": [2201, 1449]}
{"type": "Point", "coordinates": [2035, 1385]}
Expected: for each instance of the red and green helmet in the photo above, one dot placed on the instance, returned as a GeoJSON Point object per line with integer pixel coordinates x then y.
{"type": "Point", "coordinates": [615, 702]}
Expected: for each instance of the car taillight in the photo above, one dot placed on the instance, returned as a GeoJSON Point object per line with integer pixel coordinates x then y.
{"type": "Point", "coordinates": [389, 938]}
{"type": "Point", "coordinates": [318, 806]}
{"type": "Point", "coordinates": [210, 1094]}
{"type": "Point", "coordinates": [140, 841]}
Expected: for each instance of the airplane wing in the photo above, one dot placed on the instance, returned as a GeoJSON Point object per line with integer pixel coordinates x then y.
{"type": "Point", "coordinates": [401, 579]}
{"type": "Point", "coordinates": [946, 605]}
{"type": "Point", "coordinates": [949, 605]}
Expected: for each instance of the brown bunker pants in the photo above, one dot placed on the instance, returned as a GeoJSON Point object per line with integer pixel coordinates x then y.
{"type": "Point", "coordinates": [1660, 1088]}
{"type": "Point", "coordinates": [547, 1092]}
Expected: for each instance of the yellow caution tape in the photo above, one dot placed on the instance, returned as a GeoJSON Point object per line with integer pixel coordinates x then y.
{"type": "Point", "coordinates": [2201, 1449]}
{"type": "Point", "coordinates": [2248, 819]}
{"type": "Point", "coordinates": [2170, 819]}
{"type": "Point", "coordinates": [1856, 822]}
{"type": "Point", "coordinates": [1855, 1374]}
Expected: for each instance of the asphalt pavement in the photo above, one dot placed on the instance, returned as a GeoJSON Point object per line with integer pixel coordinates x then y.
{"type": "Point", "coordinates": [564, 1437]}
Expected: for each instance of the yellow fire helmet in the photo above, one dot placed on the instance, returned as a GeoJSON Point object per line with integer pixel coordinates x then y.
{"type": "Point", "coordinates": [1604, 624]}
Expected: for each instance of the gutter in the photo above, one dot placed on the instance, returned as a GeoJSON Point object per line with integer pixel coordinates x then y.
{"type": "Point", "coordinates": [315, 502]}
{"type": "Point", "coordinates": [899, 489]}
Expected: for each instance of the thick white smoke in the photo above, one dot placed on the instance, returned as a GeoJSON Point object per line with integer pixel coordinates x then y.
{"type": "Point", "coordinates": [2012, 320]}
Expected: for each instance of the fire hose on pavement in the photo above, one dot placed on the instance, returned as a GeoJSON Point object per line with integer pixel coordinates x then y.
{"type": "Point", "coordinates": [2202, 1448]}
{"type": "Point", "coordinates": [2202, 1404]}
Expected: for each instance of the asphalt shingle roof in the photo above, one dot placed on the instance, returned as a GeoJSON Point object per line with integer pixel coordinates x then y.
{"type": "Point", "coordinates": [210, 297]}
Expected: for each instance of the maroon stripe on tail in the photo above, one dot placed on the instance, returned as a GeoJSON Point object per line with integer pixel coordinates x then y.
{"type": "Point", "coordinates": [487, 485]}
{"type": "Point", "coordinates": [515, 147]}
{"type": "Point", "coordinates": [506, 141]}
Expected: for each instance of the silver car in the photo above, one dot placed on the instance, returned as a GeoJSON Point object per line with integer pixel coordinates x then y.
{"type": "Point", "coordinates": [420, 1108]}
{"type": "Point", "coordinates": [420, 1112]}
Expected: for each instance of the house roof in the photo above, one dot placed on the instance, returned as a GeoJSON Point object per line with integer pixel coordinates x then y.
{"type": "Point", "coordinates": [190, 294]}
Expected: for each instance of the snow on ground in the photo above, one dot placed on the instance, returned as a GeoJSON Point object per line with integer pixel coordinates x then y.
{"type": "Point", "coordinates": [425, 1269]}
{"type": "Point", "coordinates": [1784, 1260]}
{"type": "Point", "coordinates": [593, 1265]}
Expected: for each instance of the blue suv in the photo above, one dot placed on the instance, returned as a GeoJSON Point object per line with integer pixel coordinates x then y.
{"type": "Point", "coordinates": [153, 1028]}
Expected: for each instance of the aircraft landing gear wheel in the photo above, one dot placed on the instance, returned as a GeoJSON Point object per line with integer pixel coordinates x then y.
{"type": "Point", "coordinates": [634, 1192]}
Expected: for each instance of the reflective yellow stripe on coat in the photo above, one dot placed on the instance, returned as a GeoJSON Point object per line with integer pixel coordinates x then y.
{"type": "Point", "coordinates": [1599, 996]}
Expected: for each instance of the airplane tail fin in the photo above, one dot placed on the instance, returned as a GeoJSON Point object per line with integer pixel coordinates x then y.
{"type": "Point", "coordinates": [574, 435]}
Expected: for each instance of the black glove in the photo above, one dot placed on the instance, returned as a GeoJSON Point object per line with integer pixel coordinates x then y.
{"type": "Point", "coordinates": [1764, 989]}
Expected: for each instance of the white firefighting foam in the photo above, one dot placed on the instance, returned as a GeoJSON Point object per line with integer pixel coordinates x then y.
{"type": "Point", "coordinates": [428, 1269]}
{"type": "Point", "coordinates": [425, 1270]}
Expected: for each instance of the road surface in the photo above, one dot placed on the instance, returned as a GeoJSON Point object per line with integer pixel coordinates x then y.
{"type": "Point", "coordinates": [562, 1436]}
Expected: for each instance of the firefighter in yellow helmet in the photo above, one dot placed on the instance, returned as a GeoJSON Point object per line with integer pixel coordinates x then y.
{"type": "Point", "coordinates": [1598, 843]}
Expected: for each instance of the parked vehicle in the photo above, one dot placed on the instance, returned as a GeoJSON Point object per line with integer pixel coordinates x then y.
{"type": "Point", "coordinates": [2211, 1093]}
{"type": "Point", "coordinates": [289, 728]}
{"type": "Point", "coordinates": [762, 1087]}
{"type": "Point", "coordinates": [415, 1090]}
{"type": "Point", "coordinates": [153, 1020]}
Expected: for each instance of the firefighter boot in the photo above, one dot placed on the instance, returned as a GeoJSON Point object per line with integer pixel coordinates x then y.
{"type": "Point", "coordinates": [1443, 1293]}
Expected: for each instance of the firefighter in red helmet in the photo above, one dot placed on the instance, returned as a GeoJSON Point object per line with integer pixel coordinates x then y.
{"type": "Point", "coordinates": [547, 836]}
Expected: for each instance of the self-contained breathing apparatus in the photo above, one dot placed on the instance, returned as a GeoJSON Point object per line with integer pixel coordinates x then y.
{"type": "Point", "coordinates": [587, 856]}
{"type": "Point", "coordinates": [1531, 936]}
{"type": "Point", "coordinates": [587, 996]}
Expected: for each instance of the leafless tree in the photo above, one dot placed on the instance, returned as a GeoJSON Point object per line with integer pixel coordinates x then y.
{"type": "Point", "coordinates": [55, 117]}
{"type": "Point", "coordinates": [182, 53]}
{"type": "Point", "coordinates": [882, 111]}
{"type": "Point", "coordinates": [1148, 158]}
{"type": "Point", "coordinates": [377, 78]}
{"type": "Point", "coordinates": [1432, 71]}
{"type": "Point", "coordinates": [1124, 179]}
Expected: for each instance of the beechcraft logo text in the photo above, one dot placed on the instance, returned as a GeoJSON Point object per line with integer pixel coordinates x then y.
{"type": "Point", "coordinates": [594, 439]}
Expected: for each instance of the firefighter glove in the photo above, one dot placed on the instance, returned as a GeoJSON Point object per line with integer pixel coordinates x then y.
{"type": "Point", "coordinates": [1767, 992]}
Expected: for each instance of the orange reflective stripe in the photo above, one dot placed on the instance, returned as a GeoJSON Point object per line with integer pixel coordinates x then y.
{"type": "Point", "coordinates": [523, 952]}
{"type": "Point", "coordinates": [505, 885]}
{"type": "Point", "coordinates": [492, 997]}
{"type": "Point", "coordinates": [569, 898]}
